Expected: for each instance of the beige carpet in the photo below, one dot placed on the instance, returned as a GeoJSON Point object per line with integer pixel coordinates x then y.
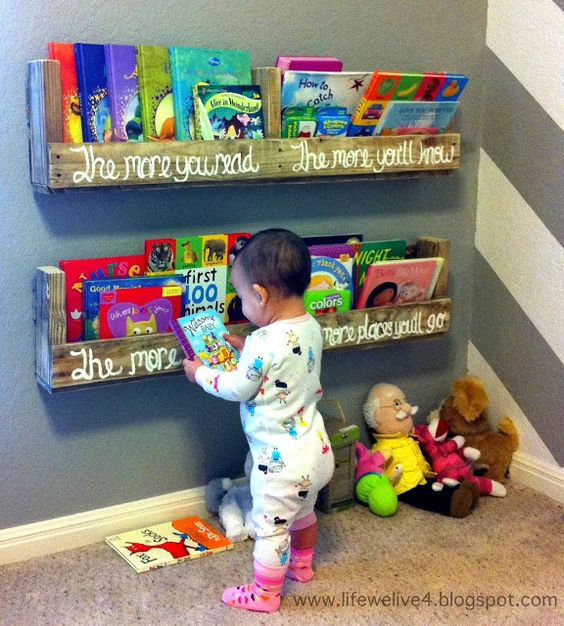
{"type": "Point", "coordinates": [508, 548]}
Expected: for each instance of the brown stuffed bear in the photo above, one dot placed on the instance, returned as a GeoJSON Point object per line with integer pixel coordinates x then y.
{"type": "Point", "coordinates": [465, 412]}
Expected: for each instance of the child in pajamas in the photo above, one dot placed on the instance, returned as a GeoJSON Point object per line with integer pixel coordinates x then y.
{"type": "Point", "coordinates": [277, 383]}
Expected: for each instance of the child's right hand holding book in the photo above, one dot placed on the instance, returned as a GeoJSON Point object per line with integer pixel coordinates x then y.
{"type": "Point", "coordinates": [236, 341]}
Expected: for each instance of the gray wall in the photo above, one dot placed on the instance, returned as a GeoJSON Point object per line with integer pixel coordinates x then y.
{"type": "Point", "coordinates": [94, 448]}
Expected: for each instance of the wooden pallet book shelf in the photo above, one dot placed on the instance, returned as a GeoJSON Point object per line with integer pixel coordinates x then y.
{"type": "Point", "coordinates": [61, 365]}
{"type": "Point", "coordinates": [57, 166]}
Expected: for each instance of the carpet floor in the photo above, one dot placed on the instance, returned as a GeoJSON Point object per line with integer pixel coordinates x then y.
{"type": "Point", "coordinates": [504, 564]}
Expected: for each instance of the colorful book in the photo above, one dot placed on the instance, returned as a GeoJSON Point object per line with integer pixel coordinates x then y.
{"type": "Point", "coordinates": [202, 335]}
{"type": "Point", "coordinates": [190, 66]}
{"type": "Point", "coordinates": [233, 305]}
{"type": "Point", "coordinates": [155, 93]}
{"type": "Point", "coordinates": [228, 112]}
{"type": "Point", "coordinates": [430, 86]}
{"type": "Point", "coordinates": [322, 89]}
{"type": "Point", "coordinates": [369, 252]}
{"type": "Point", "coordinates": [452, 88]}
{"type": "Point", "coordinates": [331, 285]}
{"type": "Point", "coordinates": [158, 545]}
{"type": "Point", "coordinates": [309, 64]}
{"type": "Point", "coordinates": [123, 92]}
{"type": "Point", "coordinates": [399, 282]}
{"type": "Point", "coordinates": [91, 290]}
{"type": "Point", "coordinates": [138, 311]}
{"type": "Point", "coordinates": [420, 118]}
{"type": "Point", "coordinates": [72, 124]}
{"type": "Point", "coordinates": [93, 92]}
{"type": "Point", "coordinates": [160, 256]}
{"type": "Point", "coordinates": [78, 270]}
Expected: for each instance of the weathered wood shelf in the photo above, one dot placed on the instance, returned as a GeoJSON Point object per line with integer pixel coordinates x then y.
{"type": "Point", "coordinates": [57, 166]}
{"type": "Point", "coordinates": [61, 365]}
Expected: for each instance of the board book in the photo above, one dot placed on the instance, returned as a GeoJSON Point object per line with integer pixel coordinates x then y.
{"type": "Point", "coordinates": [202, 335]}
{"type": "Point", "coordinates": [92, 290]}
{"type": "Point", "coordinates": [123, 92]}
{"type": "Point", "coordinates": [93, 92]}
{"type": "Point", "coordinates": [368, 252]}
{"type": "Point", "coordinates": [322, 89]}
{"type": "Point", "coordinates": [419, 118]}
{"type": "Point", "coordinates": [399, 282]}
{"type": "Point", "coordinates": [173, 542]}
{"type": "Point", "coordinates": [190, 66]}
{"type": "Point", "coordinates": [155, 93]}
{"type": "Point", "coordinates": [72, 125]}
{"type": "Point", "coordinates": [228, 112]}
{"type": "Point", "coordinates": [331, 285]}
{"type": "Point", "coordinates": [138, 311]}
{"type": "Point", "coordinates": [78, 270]}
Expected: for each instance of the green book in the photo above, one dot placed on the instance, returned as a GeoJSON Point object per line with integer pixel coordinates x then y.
{"type": "Point", "coordinates": [190, 66]}
{"type": "Point", "coordinates": [155, 93]}
{"type": "Point", "coordinates": [368, 252]}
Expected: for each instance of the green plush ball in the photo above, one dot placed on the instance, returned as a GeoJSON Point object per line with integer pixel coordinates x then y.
{"type": "Point", "coordinates": [377, 491]}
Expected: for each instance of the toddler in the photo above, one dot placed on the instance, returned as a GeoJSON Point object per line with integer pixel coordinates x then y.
{"type": "Point", "coordinates": [277, 383]}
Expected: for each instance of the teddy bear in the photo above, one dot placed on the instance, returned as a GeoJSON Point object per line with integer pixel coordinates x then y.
{"type": "Point", "coordinates": [390, 416]}
{"type": "Point", "coordinates": [233, 504]}
{"type": "Point", "coordinates": [465, 413]}
{"type": "Point", "coordinates": [451, 459]}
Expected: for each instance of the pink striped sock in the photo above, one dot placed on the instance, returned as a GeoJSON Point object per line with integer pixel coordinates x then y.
{"type": "Point", "coordinates": [261, 595]}
{"type": "Point", "coordinates": [300, 565]}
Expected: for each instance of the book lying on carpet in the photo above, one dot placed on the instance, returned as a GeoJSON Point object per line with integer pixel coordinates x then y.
{"type": "Point", "coordinates": [158, 545]}
{"type": "Point", "coordinates": [201, 334]}
{"type": "Point", "coordinates": [399, 282]}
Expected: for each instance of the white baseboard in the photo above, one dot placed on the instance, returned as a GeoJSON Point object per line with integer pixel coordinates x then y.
{"type": "Point", "coordinates": [541, 476]}
{"type": "Point", "coordinates": [74, 531]}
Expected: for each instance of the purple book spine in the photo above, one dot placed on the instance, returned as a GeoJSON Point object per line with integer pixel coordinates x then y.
{"type": "Point", "coordinates": [182, 340]}
{"type": "Point", "coordinates": [333, 250]}
{"type": "Point", "coordinates": [123, 88]}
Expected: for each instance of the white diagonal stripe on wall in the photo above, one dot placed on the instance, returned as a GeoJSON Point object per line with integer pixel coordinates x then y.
{"type": "Point", "coordinates": [528, 37]}
{"type": "Point", "coordinates": [521, 251]}
{"type": "Point", "coordinates": [502, 403]}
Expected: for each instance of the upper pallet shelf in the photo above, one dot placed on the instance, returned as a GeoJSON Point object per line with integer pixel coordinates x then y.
{"type": "Point", "coordinates": [61, 166]}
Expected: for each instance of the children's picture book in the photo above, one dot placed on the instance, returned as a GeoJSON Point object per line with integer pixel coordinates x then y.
{"type": "Point", "coordinates": [91, 290]}
{"type": "Point", "coordinates": [324, 240]}
{"type": "Point", "coordinates": [123, 91]}
{"type": "Point", "coordinates": [93, 92]}
{"type": "Point", "coordinates": [322, 89]}
{"type": "Point", "coordinates": [158, 545]}
{"type": "Point", "coordinates": [190, 66]}
{"type": "Point", "coordinates": [160, 255]}
{"type": "Point", "coordinates": [452, 88]}
{"type": "Point", "coordinates": [331, 278]}
{"type": "Point", "coordinates": [416, 118]}
{"type": "Point", "coordinates": [430, 86]}
{"type": "Point", "coordinates": [202, 335]}
{"type": "Point", "coordinates": [78, 270]}
{"type": "Point", "coordinates": [205, 289]}
{"type": "Point", "coordinates": [309, 64]}
{"type": "Point", "coordinates": [228, 112]}
{"type": "Point", "coordinates": [72, 125]}
{"type": "Point", "coordinates": [155, 93]}
{"type": "Point", "coordinates": [398, 282]}
{"type": "Point", "coordinates": [368, 252]}
{"type": "Point", "coordinates": [138, 311]}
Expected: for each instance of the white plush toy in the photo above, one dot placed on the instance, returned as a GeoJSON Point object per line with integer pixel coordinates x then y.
{"type": "Point", "coordinates": [233, 504]}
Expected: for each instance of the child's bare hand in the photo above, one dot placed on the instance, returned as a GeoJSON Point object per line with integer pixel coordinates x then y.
{"type": "Point", "coordinates": [190, 368]}
{"type": "Point", "coordinates": [236, 341]}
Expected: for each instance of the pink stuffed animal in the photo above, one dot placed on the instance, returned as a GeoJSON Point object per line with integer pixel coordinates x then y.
{"type": "Point", "coordinates": [451, 460]}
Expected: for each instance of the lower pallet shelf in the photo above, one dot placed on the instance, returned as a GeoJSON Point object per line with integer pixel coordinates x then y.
{"type": "Point", "coordinates": [63, 366]}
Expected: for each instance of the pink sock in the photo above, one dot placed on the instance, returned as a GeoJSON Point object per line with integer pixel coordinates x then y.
{"type": "Point", "coordinates": [261, 595]}
{"type": "Point", "coordinates": [300, 565]}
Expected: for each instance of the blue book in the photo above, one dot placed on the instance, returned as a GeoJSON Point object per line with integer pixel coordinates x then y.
{"type": "Point", "coordinates": [93, 289]}
{"type": "Point", "coordinates": [93, 92]}
{"type": "Point", "coordinates": [202, 334]}
{"type": "Point", "coordinates": [406, 118]}
{"type": "Point", "coordinates": [123, 92]}
{"type": "Point", "coordinates": [452, 88]}
{"type": "Point", "coordinates": [190, 66]}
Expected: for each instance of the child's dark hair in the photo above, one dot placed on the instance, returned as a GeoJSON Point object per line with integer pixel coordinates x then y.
{"type": "Point", "coordinates": [277, 258]}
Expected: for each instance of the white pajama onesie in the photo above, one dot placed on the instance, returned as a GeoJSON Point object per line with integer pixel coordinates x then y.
{"type": "Point", "coordinates": [277, 383]}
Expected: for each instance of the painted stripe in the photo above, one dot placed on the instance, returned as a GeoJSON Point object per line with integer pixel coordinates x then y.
{"type": "Point", "coordinates": [519, 355]}
{"type": "Point", "coordinates": [528, 36]}
{"type": "Point", "coordinates": [502, 403]}
{"type": "Point", "coordinates": [521, 251]}
{"type": "Point", "coordinates": [525, 143]}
